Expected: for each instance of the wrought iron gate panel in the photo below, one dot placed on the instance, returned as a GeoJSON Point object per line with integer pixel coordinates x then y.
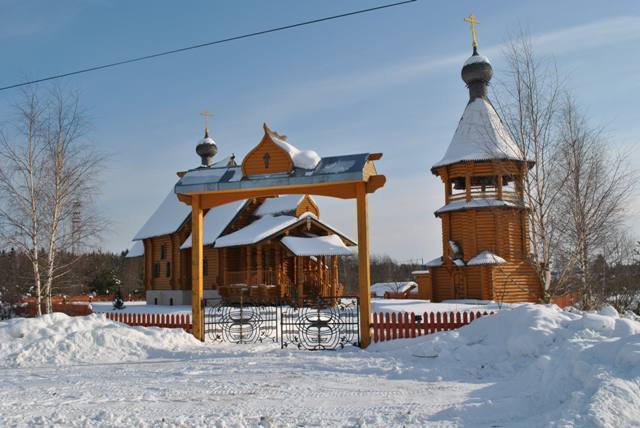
{"type": "Point", "coordinates": [241, 322]}
{"type": "Point", "coordinates": [321, 323]}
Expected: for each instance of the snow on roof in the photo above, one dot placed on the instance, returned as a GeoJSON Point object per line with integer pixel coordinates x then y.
{"type": "Point", "coordinates": [420, 272]}
{"type": "Point", "coordinates": [216, 221]}
{"type": "Point", "coordinates": [476, 58]}
{"type": "Point", "coordinates": [282, 204]}
{"type": "Point", "coordinates": [166, 219]}
{"type": "Point", "coordinates": [486, 258]}
{"type": "Point", "coordinates": [258, 230]}
{"type": "Point", "coordinates": [378, 289]}
{"type": "Point", "coordinates": [215, 174]}
{"type": "Point", "coordinates": [136, 250]}
{"type": "Point", "coordinates": [480, 135]}
{"type": "Point", "coordinates": [475, 203]}
{"type": "Point", "coordinates": [435, 262]}
{"type": "Point", "coordinates": [330, 245]}
{"type": "Point", "coordinates": [307, 159]}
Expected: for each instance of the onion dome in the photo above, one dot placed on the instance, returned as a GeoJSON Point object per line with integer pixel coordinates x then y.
{"type": "Point", "coordinates": [476, 73]}
{"type": "Point", "coordinates": [206, 149]}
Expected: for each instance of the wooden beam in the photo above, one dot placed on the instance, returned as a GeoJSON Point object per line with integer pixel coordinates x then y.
{"type": "Point", "coordinates": [364, 273]}
{"type": "Point", "coordinates": [342, 190]}
{"type": "Point", "coordinates": [259, 265]}
{"type": "Point", "coordinates": [197, 291]}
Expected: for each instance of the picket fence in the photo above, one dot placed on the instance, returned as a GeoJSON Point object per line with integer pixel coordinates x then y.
{"type": "Point", "coordinates": [182, 321]}
{"type": "Point", "coordinates": [403, 325]}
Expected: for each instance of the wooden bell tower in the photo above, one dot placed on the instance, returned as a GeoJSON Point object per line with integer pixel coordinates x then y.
{"type": "Point", "coordinates": [485, 236]}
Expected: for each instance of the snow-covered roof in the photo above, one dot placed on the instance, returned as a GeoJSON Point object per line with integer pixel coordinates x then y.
{"type": "Point", "coordinates": [166, 219]}
{"type": "Point", "coordinates": [480, 135]}
{"type": "Point", "coordinates": [282, 204]}
{"type": "Point", "coordinates": [420, 272]}
{"type": "Point", "coordinates": [435, 262]}
{"type": "Point", "coordinates": [330, 245]}
{"type": "Point", "coordinates": [136, 250]}
{"type": "Point", "coordinates": [258, 230]}
{"type": "Point", "coordinates": [216, 221]}
{"type": "Point", "coordinates": [486, 258]}
{"type": "Point", "coordinates": [307, 159]}
{"type": "Point", "coordinates": [476, 203]}
{"type": "Point", "coordinates": [378, 289]}
{"type": "Point", "coordinates": [330, 169]}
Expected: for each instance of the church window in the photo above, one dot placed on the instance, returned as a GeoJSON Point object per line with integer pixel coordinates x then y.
{"type": "Point", "coordinates": [163, 252]}
{"type": "Point", "coordinates": [205, 267]}
{"type": "Point", "coordinates": [266, 158]}
{"type": "Point", "coordinates": [156, 270]}
{"type": "Point", "coordinates": [168, 272]}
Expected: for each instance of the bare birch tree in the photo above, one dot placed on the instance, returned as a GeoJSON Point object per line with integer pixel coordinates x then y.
{"type": "Point", "coordinates": [593, 197]}
{"type": "Point", "coordinates": [47, 173]}
{"type": "Point", "coordinates": [528, 100]}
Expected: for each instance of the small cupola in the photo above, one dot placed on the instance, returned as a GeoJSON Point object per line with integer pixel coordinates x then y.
{"type": "Point", "coordinates": [477, 70]}
{"type": "Point", "coordinates": [206, 147]}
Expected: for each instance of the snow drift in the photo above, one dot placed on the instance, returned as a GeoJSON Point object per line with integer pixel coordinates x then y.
{"type": "Point", "coordinates": [542, 364]}
{"type": "Point", "coordinates": [58, 339]}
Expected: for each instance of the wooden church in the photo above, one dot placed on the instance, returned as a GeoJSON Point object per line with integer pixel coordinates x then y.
{"type": "Point", "coordinates": [263, 249]}
{"type": "Point", "coordinates": [485, 236]}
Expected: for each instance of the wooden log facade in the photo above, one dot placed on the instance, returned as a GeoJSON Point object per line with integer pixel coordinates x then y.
{"type": "Point", "coordinates": [268, 263]}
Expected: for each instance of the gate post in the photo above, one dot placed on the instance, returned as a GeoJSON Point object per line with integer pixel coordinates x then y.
{"type": "Point", "coordinates": [364, 273]}
{"type": "Point", "coordinates": [196, 268]}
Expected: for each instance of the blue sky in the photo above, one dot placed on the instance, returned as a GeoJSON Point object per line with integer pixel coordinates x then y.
{"type": "Point", "coordinates": [386, 81]}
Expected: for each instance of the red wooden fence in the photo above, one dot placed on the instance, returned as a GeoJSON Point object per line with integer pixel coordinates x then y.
{"type": "Point", "coordinates": [153, 320]}
{"type": "Point", "coordinates": [403, 325]}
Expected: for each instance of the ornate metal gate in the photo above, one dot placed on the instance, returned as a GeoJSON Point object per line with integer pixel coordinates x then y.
{"type": "Point", "coordinates": [313, 324]}
{"type": "Point", "coordinates": [240, 322]}
{"type": "Point", "coordinates": [321, 323]}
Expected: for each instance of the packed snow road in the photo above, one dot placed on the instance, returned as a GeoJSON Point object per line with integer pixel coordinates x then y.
{"type": "Point", "coordinates": [531, 366]}
{"type": "Point", "coordinates": [242, 389]}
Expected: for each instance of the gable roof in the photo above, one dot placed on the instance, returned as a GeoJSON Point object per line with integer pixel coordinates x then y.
{"type": "Point", "coordinates": [279, 205]}
{"type": "Point", "coordinates": [216, 221]}
{"type": "Point", "coordinates": [330, 245]}
{"type": "Point", "coordinates": [480, 136]}
{"type": "Point", "coordinates": [258, 231]}
{"type": "Point", "coordinates": [166, 219]}
{"type": "Point", "coordinates": [268, 226]}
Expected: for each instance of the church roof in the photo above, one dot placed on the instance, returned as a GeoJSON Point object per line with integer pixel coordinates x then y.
{"type": "Point", "coordinates": [283, 204]}
{"type": "Point", "coordinates": [330, 245]}
{"type": "Point", "coordinates": [480, 136]}
{"type": "Point", "coordinates": [268, 226]}
{"type": "Point", "coordinates": [136, 250]}
{"type": "Point", "coordinates": [216, 221]}
{"type": "Point", "coordinates": [166, 219]}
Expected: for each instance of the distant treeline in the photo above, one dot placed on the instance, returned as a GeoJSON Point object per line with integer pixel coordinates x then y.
{"type": "Point", "coordinates": [98, 272]}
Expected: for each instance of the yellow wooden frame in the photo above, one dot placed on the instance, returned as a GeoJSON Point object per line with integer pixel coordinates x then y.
{"type": "Point", "coordinates": [358, 189]}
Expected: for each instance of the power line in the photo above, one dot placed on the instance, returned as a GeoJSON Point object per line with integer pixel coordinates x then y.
{"type": "Point", "coordinates": [201, 45]}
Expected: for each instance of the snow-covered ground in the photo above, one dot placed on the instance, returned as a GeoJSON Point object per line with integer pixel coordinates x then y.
{"type": "Point", "coordinates": [529, 366]}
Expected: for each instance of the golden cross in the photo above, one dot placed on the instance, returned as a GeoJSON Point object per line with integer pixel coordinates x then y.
{"type": "Point", "coordinates": [473, 21]}
{"type": "Point", "coordinates": [206, 115]}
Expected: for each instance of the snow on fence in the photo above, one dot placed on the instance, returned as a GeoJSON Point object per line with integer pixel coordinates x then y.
{"type": "Point", "coordinates": [182, 321]}
{"type": "Point", "coordinates": [403, 325]}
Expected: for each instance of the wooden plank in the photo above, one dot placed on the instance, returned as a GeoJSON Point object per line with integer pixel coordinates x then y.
{"type": "Point", "coordinates": [364, 273]}
{"type": "Point", "coordinates": [197, 284]}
